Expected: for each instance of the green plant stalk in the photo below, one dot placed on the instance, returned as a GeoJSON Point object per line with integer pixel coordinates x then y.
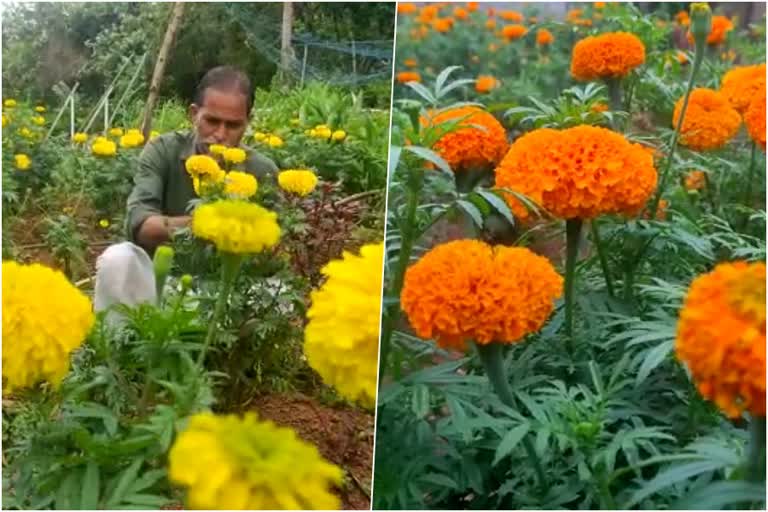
{"type": "Point", "coordinates": [750, 174]}
{"type": "Point", "coordinates": [601, 256]}
{"type": "Point", "coordinates": [572, 235]}
{"type": "Point", "coordinates": [614, 93]}
{"type": "Point", "coordinates": [229, 268]}
{"type": "Point", "coordinates": [406, 247]}
{"type": "Point", "coordinates": [698, 58]}
{"type": "Point", "coordinates": [756, 454]}
{"type": "Point", "coordinates": [492, 356]}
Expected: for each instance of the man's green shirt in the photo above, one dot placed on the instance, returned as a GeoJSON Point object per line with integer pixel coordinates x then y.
{"type": "Point", "coordinates": [162, 185]}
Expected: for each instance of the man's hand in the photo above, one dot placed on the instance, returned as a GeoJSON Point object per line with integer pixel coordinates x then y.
{"type": "Point", "coordinates": [158, 229]}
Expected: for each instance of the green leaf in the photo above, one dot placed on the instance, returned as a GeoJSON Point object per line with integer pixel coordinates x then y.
{"type": "Point", "coordinates": [670, 477]}
{"type": "Point", "coordinates": [471, 210]}
{"type": "Point", "coordinates": [420, 401]}
{"type": "Point", "coordinates": [66, 494]}
{"type": "Point", "coordinates": [422, 91]}
{"type": "Point", "coordinates": [148, 500]}
{"type": "Point", "coordinates": [126, 479]}
{"type": "Point", "coordinates": [510, 441]}
{"type": "Point", "coordinates": [89, 497]}
{"type": "Point", "coordinates": [496, 201]}
{"type": "Point", "coordinates": [723, 495]}
{"type": "Point", "coordinates": [653, 358]}
{"type": "Point", "coordinates": [147, 480]}
{"type": "Point", "coordinates": [440, 480]}
{"type": "Point", "coordinates": [442, 77]}
{"type": "Point", "coordinates": [431, 156]}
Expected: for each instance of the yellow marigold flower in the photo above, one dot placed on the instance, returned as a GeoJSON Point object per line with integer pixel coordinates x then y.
{"type": "Point", "coordinates": [22, 161]}
{"type": "Point", "coordinates": [721, 336]}
{"type": "Point", "coordinates": [104, 223]}
{"type": "Point", "coordinates": [611, 55]}
{"type": "Point", "coordinates": [579, 172]}
{"type": "Point", "coordinates": [116, 132]}
{"type": "Point", "coordinates": [408, 76]}
{"type": "Point", "coordinates": [741, 84]}
{"type": "Point", "coordinates": [511, 32]}
{"type": "Point", "coordinates": [104, 147]}
{"type": "Point", "coordinates": [297, 181]}
{"type": "Point", "coordinates": [274, 141]}
{"type": "Point", "coordinates": [236, 227]}
{"type": "Point", "coordinates": [80, 138]}
{"type": "Point", "coordinates": [338, 135]}
{"type": "Point", "coordinates": [6, 120]}
{"type": "Point", "coordinates": [470, 147]}
{"type": "Point", "coordinates": [202, 166]}
{"type": "Point", "coordinates": [695, 180]}
{"type": "Point", "coordinates": [544, 37]}
{"type": "Point", "coordinates": [26, 132]}
{"type": "Point", "coordinates": [754, 118]}
{"type": "Point", "coordinates": [341, 340]}
{"type": "Point", "coordinates": [131, 140]}
{"type": "Point", "coordinates": [45, 318]}
{"type": "Point", "coordinates": [240, 185]}
{"type": "Point", "coordinates": [260, 136]}
{"type": "Point", "coordinates": [710, 121]}
{"type": "Point", "coordinates": [234, 155]}
{"type": "Point", "coordinates": [468, 290]}
{"type": "Point", "coordinates": [233, 463]}
{"type": "Point", "coordinates": [217, 149]}
{"type": "Point", "coordinates": [486, 83]}
{"type": "Point", "coordinates": [9, 103]}
{"type": "Point", "coordinates": [38, 120]}
{"type": "Point", "coordinates": [40, 109]}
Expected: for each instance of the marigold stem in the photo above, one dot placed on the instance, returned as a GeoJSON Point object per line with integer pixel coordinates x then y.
{"type": "Point", "coordinates": [756, 455]}
{"type": "Point", "coordinates": [750, 174]}
{"type": "Point", "coordinates": [601, 255]}
{"type": "Point", "coordinates": [572, 236]}
{"type": "Point", "coordinates": [614, 93]}
{"type": "Point", "coordinates": [230, 265]}
{"type": "Point", "coordinates": [492, 356]}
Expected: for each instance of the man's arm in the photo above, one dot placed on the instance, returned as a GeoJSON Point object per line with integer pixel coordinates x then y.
{"type": "Point", "coordinates": [146, 224]}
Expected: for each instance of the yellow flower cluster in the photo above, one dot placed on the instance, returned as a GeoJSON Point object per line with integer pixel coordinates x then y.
{"type": "Point", "coordinates": [236, 227]}
{"type": "Point", "coordinates": [22, 161]}
{"type": "Point", "coordinates": [721, 336]}
{"type": "Point", "coordinates": [232, 463]}
{"type": "Point", "coordinates": [9, 103]}
{"type": "Point", "coordinates": [80, 138]}
{"type": "Point", "coordinates": [240, 185]}
{"type": "Point", "coordinates": [103, 147]}
{"type": "Point", "coordinates": [217, 149]}
{"type": "Point", "coordinates": [26, 132]}
{"type": "Point", "coordinates": [323, 131]}
{"type": "Point", "coordinates": [204, 171]}
{"type": "Point", "coordinates": [133, 138]}
{"type": "Point", "coordinates": [297, 181]}
{"type": "Point", "coordinates": [234, 155]}
{"type": "Point", "coordinates": [271, 140]}
{"type": "Point", "coordinates": [38, 120]}
{"type": "Point", "coordinates": [341, 340]}
{"type": "Point", "coordinates": [40, 109]}
{"type": "Point", "coordinates": [45, 318]}
{"type": "Point", "coordinates": [116, 132]}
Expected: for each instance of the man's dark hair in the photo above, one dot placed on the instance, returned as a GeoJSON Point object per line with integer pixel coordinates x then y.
{"type": "Point", "coordinates": [225, 78]}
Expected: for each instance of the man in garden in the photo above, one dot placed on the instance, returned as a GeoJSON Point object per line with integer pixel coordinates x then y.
{"type": "Point", "coordinates": [158, 204]}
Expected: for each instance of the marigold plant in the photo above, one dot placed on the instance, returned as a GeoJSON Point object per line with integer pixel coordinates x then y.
{"type": "Point", "coordinates": [721, 336]}
{"type": "Point", "coordinates": [80, 138]}
{"type": "Point", "coordinates": [240, 185]}
{"type": "Point", "coordinates": [710, 121]}
{"type": "Point", "coordinates": [297, 181]}
{"type": "Point", "coordinates": [233, 463]}
{"type": "Point", "coordinates": [467, 290]}
{"type": "Point", "coordinates": [741, 84]}
{"type": "Point", "coordinates": [579, 172]}
{"type": "Point", "coordinates": [469, 147]}
{"type": "Point", "coordinates": [103, 147]}
{"type": "Point", "coordinates": [45, 318]}
{"type": "Point", "coordinates": [341, 340]}
{"type": "Point", "coordinates": [202, 167]}
{"type": "Point", "coordinates": [236, 227]}
{"type": "Point", "coordinates": [754, 118]}
{"type": "Point", "coordinates": [611, 55]}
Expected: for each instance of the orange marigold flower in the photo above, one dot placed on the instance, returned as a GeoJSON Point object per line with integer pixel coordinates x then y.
{"type": "Point", "coordinates": [544, 37]}
{"type": "Point", "coordinates": [584, 22]}
{"type": "Point", "coordinates": [721, 336]}
{"type": "Point", "coordinates": [511, 16]}
{"type": "Point", "coordinates": [486, 83]}
{"type": "Point", "coordinates": [460, 13]}
{"type": "Point", "coordinates": [720, 27]}
{"type": "Point", "coordinates": [579, 172]}
{"type": "Point", "coordinates": [754, 118]}
{"type": "Point", "coordinates": [695, 180]}
{"type": "Point", "coordinates": [470, 147]}
{"type": "Point", "coordinates": [682, 58]}
{"type": "Point", "coordinates": [611, 55]}
{"type": "Point", "coordinates": [408, 76]}
{"type": "Point", "coordinates": [490, 24]}
{"type": "Point", "coordinates": [598, 5]}
{"type": "Point", "coordinates": [741, 84]}
{"type": "Point", "coordinates": [467, 290]}
{"type": "Point", "coordinates": [709, 122]}
{"type": "Point", "coordinates": [683, 18]}
{"type": "Point", "coordinates": [513, 31]}
{"type": "Point", "coordinates": [599, 107]}
{"type": "Point", "coordinates": [574, 14]}
{"type": "Point", "coordinates": [406, 8]}
{"type": "Point", "coordinates": [428, 13]}
{"type": "Point", "coordinates": [472, 6]}
{"type": "Point", "coordinates": [442, 24]}
{"type": "Point", "coordinates": [410, 63]}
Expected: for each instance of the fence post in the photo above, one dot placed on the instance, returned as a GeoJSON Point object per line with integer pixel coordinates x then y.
{"type": "Point", "coordinates": [354, 64]}
{"type": "Point", "coordinates": [303, 65]}
{"type": "Point", "coordinates": [61, 111]}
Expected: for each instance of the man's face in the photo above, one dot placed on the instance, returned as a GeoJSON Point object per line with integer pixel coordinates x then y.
{"type": "Point", "coordinates": [221, 119]}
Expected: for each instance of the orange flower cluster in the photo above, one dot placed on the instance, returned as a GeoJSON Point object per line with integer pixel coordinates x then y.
{"type": "Point", "coordinates": [599, 107]}
{"type": "Point", "coordinates": [682, 18]}
{"type": "Point", "coordinates": [598, 5]}
{"type": "Point", "coordinates": [467, 290]}
{"type": "Point", "coordinates": [741, 84]}
{"type": "Point", "coordinates": [470, 147]}
{"type": "Point", "coordinates": [486, 83]}
{"type": "Point", "coordinates": [544, 37]}
{"type": "Point", "coordinates": [511, 32]}
{"type": "Point", "coordinates": [513, 16]}
{"type": "Point", "coordinates": [410, 63]}
{"type": "Point", "coordinates": [472, 6]}
{"type": "Point", "coordinates": [709, 122]}
{"type": "Point", "coordinates": [720, 27]}
{"type": "Point", "coordinates": [428, 13]}
{"type": "Point", "coordinates": [408, 76]}
{"type": "Point", "coordinates": [442, 25]}
{"type": "Point", "coordinates": [574, 15]}
{"type": "Point", "coordinates": [754, 118]}
{"type": "Point", "coordinates": [460, 13]}
{"type": "Point", "coordinates": [695, 180]}
{"type": "Point", "coordinates": [406, 8]}
{"type": "Point", "coordinates": [611, 55]}
{"type": "Point", "coordinates": [579, 172]}
{"type": "Point", "coordinates": [721, 336]}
